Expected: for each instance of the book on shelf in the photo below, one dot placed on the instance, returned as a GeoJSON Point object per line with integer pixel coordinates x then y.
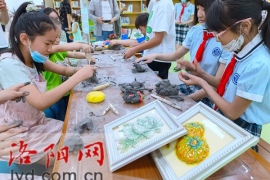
{"type": "Point", "coordinates": [144, 9]}
{"type": "Point", "coordinates": [125, 20]}
{"type": "Point", "coordinates": [75, 4]}
{"type": "Point", "coordinates": [126, 31]}
{"type": "Point", "coordinates": [57, 4]}
{"type": "Point", "coordinates": [78, 12]}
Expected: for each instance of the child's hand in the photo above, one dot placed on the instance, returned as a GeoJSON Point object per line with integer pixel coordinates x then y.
{"type": "Point", "coordinates": [177, 22]}
{"type": "Point", "coordinates": [3, 6]}
{"type": "Point", "coordinates": [14, 93]}
{"type": "Point", "coordinates": [113, 42]}
{"type": "Point", "coordinates": [68, 32]}
{"type": "Point", "coordinates": [86, 48]}
{"type": "Point", "coordinates": [147, 59]}
{"type": "Point", "coordinates": [195, 68]}
{"type": "Point", "coordinates": [7, 132]}
{"type": "Point", "coordinates": [190, 79]}
{"type": "Point", "coordinates": [86, 72]}
{"type": "Point", "coordinates": [129, 53]}
{"type": "Point", "coordinates": [66, 28]}
{"type": "Point", "coordinates": [93, 60]}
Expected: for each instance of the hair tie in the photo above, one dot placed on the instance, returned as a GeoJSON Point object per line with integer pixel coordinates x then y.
{"type": "Point", "coordinates": [32, 8]}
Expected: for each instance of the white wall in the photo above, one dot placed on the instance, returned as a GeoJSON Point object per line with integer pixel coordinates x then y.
{"type": "Point", "coordinates": [14, 4]}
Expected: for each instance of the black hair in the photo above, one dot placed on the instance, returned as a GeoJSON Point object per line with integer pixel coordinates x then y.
{"type": "Point", "coordinates": [141, 20]}
{"type": "Point", "coordinates": [49, 10]}
{"type": "Point", "coordinates": [205, 4]}
{"type": "Point", "coordinates": [56, 22]}
{"type": "Point", "coordinates": [225, 13]}
{"type": "Point", "coordinates": [76, 17]}
{"type": "Point", "coordinates": [147, 3]}
{"type": "Point", "coordinates": [31, 23]}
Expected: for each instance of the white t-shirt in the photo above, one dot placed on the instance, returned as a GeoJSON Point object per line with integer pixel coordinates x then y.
{"type": "Point", "coordinates": [107, 15]}
{"type": "Point", "coordinates": [3, 41]}
{"type": "Point", "coordinates": [161, 19]}
{"type": "Point", "coordinates": [150, 6]}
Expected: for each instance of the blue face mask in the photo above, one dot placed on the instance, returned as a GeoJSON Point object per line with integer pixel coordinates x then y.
{"type": "Point", "coordinates": [37, 57]}
{"type": "Point", "coordinates": [183, 1]}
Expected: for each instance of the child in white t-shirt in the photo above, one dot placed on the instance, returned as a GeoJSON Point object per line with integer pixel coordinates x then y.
{"type": "Point", "coordinates": [160, 36]}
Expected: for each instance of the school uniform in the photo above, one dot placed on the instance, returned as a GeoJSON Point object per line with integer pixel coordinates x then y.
{"type": "Point", "coordinates": [212, 57]}
{"type": "Point", "coordinates": [161, 19]}
{"type": "Point", "coordinates": [183, 14]}
{"type": "Point", "coordinates": [250, 79]}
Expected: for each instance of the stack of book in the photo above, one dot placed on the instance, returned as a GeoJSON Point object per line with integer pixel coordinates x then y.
{"type": "Point", "coordinates": [75, 4]}
{"type": "Point", "coordinates": [78, 12]}
{"type": "Point", "coordinates": [126, 32]}
{"type": "Point", "coordinates": [125, 20]}
{"type": "Point", "coordinates": [57, 4]}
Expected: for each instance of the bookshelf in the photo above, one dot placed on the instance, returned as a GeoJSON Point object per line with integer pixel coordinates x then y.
{"type": "Point", "coordinates": [138, 7]}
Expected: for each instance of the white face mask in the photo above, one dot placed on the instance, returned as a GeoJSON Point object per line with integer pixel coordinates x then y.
{"type": "Point", "coordinates": [234, 45]}
{"type": "Point", "coordinates": [203, 25]}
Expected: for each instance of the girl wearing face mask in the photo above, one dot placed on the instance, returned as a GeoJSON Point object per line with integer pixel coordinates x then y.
{"type": "Point", "coordinates": [76, 31]}
{"type": "Point", "coordinates": [243, 94]}
{"type": "Point", "coordinates": [32, 35]}
{"type": "Point", "coordinates": [184, 15]}
{"type": "Point", "coordinates": [203, 47]}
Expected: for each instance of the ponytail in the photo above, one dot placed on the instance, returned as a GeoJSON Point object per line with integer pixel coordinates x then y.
{"type": "Point", "coordinates": [265, 28]}
{"type": "Point", "coordinates": [31, 23]}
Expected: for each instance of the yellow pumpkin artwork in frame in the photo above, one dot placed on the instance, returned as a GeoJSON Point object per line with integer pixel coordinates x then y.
{"type": "Point", "coordinates": [192, 148]}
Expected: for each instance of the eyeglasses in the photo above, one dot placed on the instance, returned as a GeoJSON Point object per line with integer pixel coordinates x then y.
{"type": "Point", "coordinates": [222, 32]}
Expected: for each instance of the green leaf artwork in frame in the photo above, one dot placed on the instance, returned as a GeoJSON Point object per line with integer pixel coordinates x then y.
{"type": "Point", "coordinates": [139, 131]}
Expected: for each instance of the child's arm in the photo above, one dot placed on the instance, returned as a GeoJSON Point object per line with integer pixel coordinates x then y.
{"type": "Point", "coordinates": [231, 110]}
{"type": "Point", "coordinates": [196, 70]}
{"type": "Point", "coordinates": [147, 45]}
{"type": "Point", "coordinates": [77, 55]}
{"type": "Point", "coordinates": [71, 46]}
{"type": "Point", "coordinates": [127, 42]}
{"type": "Point", "coordinates": [42, 101]}
{"type": "Point", "coordinates": [58, 69]}
{"type": "Point", "coordinates": [199, 94]}
{"type": "Point", "coordinates": [75, 29]}
{"type": "Point", "coordinates": [13, 92]}
{"type": "Point", "coordinates": [164, 57]}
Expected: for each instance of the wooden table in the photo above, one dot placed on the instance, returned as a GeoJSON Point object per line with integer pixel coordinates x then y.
{"type": "Point", "coordinates": [243, 167]}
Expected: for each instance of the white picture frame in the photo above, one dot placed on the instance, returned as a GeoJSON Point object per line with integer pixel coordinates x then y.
{"type": "Point", "coordinates": [242, 142]}
{"type": "Point", "coordinates": [118, 160]}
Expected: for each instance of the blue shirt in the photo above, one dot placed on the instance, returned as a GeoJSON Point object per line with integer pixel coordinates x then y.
{"type": "Point", "coordinates": [251, 80]}
{"type": "Point", "coordinates": [188, 11]}
{"type": "Point", "coordinates": [213, 53]}
{"type": "Point", "coordinates": [140, 40]}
